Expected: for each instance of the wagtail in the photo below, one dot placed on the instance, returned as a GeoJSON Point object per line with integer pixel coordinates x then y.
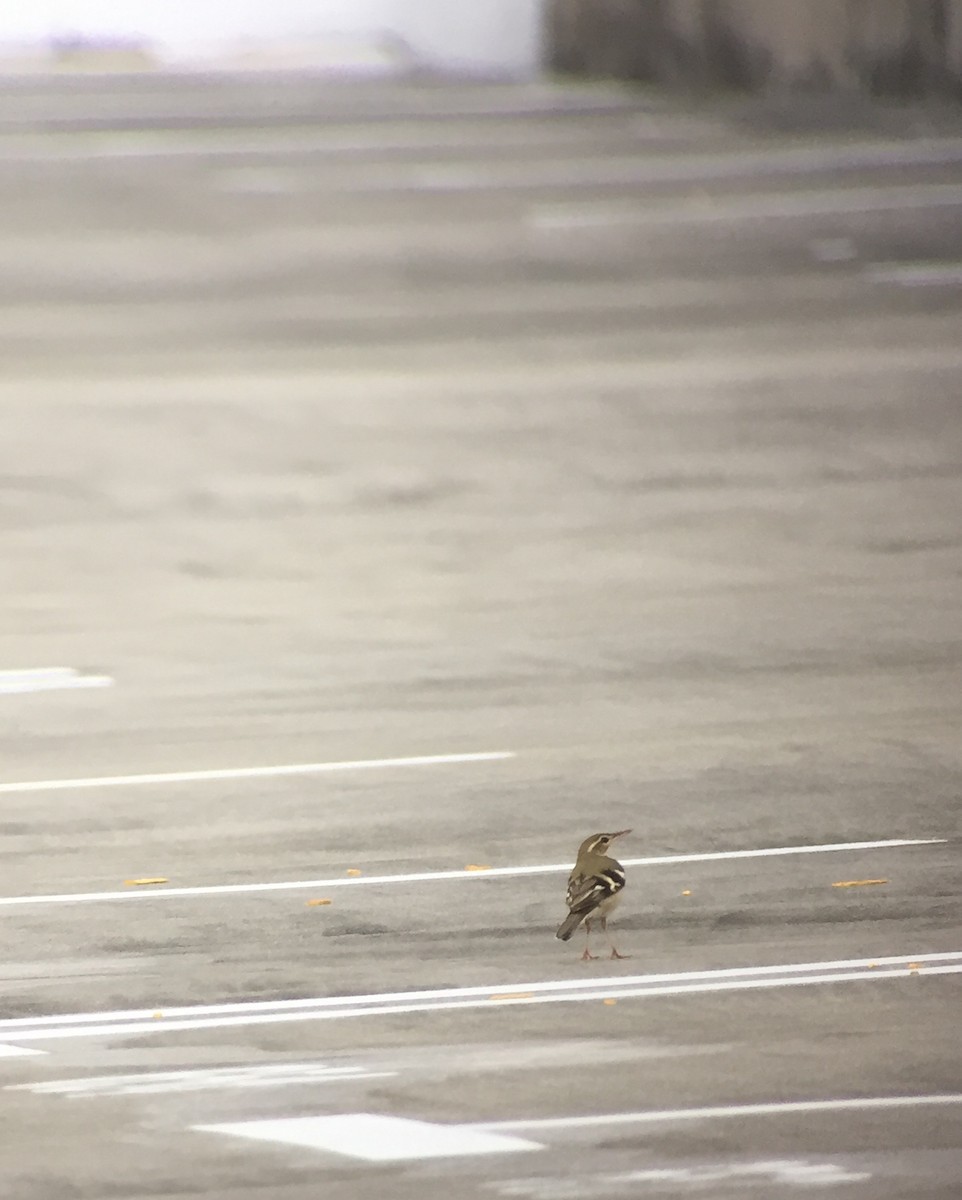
{"type": "Point", "coordinates": [594, 888]}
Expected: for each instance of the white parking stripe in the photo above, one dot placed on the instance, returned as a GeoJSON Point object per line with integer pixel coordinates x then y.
{"type": "Point", "coordinates": [424, 760]}
{"type": "Point", "coordinates": [338, 140]}
{"type": "Point", "coordinates": [141, 1021]}
{"type": "Point", "coordinates": [49, 679]}
{"type": "Point", "coordinates": [374, 1138]}
{"type": "Point", "coordinates": [152, 1083]}
{"type": "Point", "coordinates": [549, 218]}
{"type": "Point", "coordinates": [915, 274]}
{"type": "Point", "coordinates": [538, 171]}
{"type": "Point", "coordinates": [785, 1108]}
{"type": "Point", "coordinates": [221, 889]}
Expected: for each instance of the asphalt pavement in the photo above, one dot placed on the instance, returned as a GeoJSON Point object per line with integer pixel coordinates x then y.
{"type": "Point", "coordinates": [400, 482]}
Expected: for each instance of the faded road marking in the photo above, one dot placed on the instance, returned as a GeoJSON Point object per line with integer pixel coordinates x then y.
{"type": "Point", "coordinates": [152, 1083]}
{"type": "Point", "coordinates": [375, 1138]}
{"type": "Point", "coordinates": [18, 1052]}
{"type": "Point", "coordinates": [791, 1172]}
{"type": "Point", "coordinates": [320, 1008]}
{"type": "Point", "coordinates": [49, 679]}
{"type": "Point", "coordinates": [424, 760]}
{"type": "Point", "coordinates": [916, 274]}
{"type": "Point", "coordinates": [226, 889]}
{"type": "Point", "coordinates": [759, 206]}
{"type": "Point", "coordinates": [715, 1112]}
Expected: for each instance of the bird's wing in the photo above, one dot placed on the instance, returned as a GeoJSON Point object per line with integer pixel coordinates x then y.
{"type": "Point", "coordinates": [586, 892]}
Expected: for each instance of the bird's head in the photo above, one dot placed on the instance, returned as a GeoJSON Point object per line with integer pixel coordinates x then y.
{"type": "Point", "coordinates": [599, 843]}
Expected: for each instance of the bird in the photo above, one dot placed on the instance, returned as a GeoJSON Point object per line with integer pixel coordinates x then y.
{"type": "Point", "coordinates": [594, 888]}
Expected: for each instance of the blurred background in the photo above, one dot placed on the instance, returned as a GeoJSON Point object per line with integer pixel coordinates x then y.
{"type": "Point", "coordinates": [906, 47]}
{"type": "Point", "coordinates": [277, 269]}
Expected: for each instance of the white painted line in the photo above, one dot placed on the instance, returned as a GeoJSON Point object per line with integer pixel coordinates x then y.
{"type": "Point", "coordinates": [781, 1171]}
{"type": "Point", "coordinates": [712, 210]}
{"type": "Point", "coordinates": [485, 991]}
{"type": "Point", "coordinates": [424, 760]}
{"type": "Point", "coordinates": [572, 170]}
{"type": "Point", "coordinates": [787, 1108]}
{"type": "Point", "coordinates": [644, 170]}
{"type": "Point", "coordinates": [153, 1083]}
{"type": "Point", "coordinates": [348, 1012]}
{"type": "Point", "coordinates": [146, 1021]}
{"type": "Point", "coordinates": [48, 679]}
{"type": "Point", "coordinates": [18, 1052]}
{"type": "Point", "coordinates": [375, 1138]}
{"type": "Point", "coordinates": [918, 274]}
{"type": "Point", "coordinates": [221, 889]}
{"type": "Point", "coordinates": [833, 249]}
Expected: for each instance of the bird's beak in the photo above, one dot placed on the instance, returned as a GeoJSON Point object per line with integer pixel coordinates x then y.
{"type": "Point", "coordinates": [620, 833]}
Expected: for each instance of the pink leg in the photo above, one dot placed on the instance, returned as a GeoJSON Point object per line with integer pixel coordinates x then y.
{"type": "Point", "coordinates": [587, 954]}
{"type": "Point", "coordinates": [614, 952]}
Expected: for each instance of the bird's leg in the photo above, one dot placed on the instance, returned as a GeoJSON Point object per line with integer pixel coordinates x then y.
{"type": "Point", "coordinates": [587, 954]}
{"type": "Point", "coordinates": [614, 952]}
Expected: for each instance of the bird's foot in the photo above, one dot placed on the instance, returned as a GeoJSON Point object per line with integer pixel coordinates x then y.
{"type": "Point", "coordinates": [615, 954]}
{"type": "Point", "coordinates": [587, 955]}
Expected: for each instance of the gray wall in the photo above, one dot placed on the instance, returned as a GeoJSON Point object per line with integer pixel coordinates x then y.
{"type": "Point", "coordinates": [893, 47]}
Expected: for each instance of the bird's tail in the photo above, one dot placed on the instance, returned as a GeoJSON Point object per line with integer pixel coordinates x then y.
{"type": "Point", "coordinates": [569, 925]}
